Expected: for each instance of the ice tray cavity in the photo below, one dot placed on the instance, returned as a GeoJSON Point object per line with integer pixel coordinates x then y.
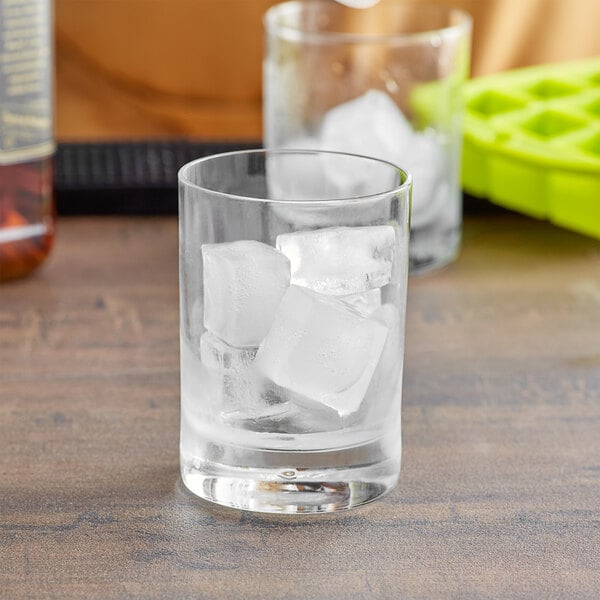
{"type": "Point", "coordinates": [532, 142]}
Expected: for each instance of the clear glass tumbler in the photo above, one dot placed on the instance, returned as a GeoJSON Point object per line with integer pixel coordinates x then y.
{"type": "Point", "coordinates": [292, 328]}
{"type": "Point", "coordinates": [384, 81]}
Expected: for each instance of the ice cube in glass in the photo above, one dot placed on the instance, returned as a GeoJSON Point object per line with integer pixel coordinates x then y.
{"type": "Point", "coordinates": [340, 260]}
{"type": "Point", "coordinates": [322, 349]}
{"type": "Point", "coordinates": [243, 284]}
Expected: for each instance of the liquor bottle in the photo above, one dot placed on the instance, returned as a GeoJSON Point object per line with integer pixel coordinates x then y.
{"type": "Point", "coordinates": [26, 136]}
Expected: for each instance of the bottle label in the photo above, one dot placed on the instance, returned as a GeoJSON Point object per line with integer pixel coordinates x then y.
{"type": "Point", "coordinates": [25, 80]}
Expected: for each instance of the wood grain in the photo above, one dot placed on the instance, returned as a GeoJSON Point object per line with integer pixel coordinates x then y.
{"type": "Point", "coordinates": [500, 484]}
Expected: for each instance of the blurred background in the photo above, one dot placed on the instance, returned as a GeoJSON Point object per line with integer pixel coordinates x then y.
{"type": "Point", "coordinates": [135, 69]}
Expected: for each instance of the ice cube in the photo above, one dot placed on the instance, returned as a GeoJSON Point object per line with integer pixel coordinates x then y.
{"type": "Point", "coordinates": [285, 411]}
{"type": "Point", "coordinates": [385, 384]}
{"type": "Point", "coordinates": [321, 348]}
{"type": "Point", "coordinates": [298, 176]}
{"type": "Point", "coordinates": [439, 235]}
{"type": "Point", "coordinates": [303, 174]}
{"type": "Point", "coordinates": [365, 302]}
{"type": "Point", "coordinates": [340, 260]}
{"type": "Point", "coordinates": [326, 176]}
{"type": "Point", "coordinates": [262, 417]}
{"type": "Point", "coordinates": [307, 416]}
{"type": "Point", "coordinates": [241, 394]}
{"type": "Point", "coordinates": [195, 379]}
{"type": "Point", "coordinates": [386, 314]}
{"type": "Point", "coordinates": [449, 214]}
{"type": "Point", "coordinates": [372, 125]}
{"type": "Point", "coordinates": [243, 284]}
{"type": "Point", "coordinates": [426, 165]}
{"type": "Point", "coordinates": [219, 355]}
{"type": "Point", "coordinates": [199, 397]}
{"type": "Point", "coordinates": [228, 367]}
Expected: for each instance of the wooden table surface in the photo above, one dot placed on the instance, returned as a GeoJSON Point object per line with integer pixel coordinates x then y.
{"type": "Point", "coordinates": [499, 495]}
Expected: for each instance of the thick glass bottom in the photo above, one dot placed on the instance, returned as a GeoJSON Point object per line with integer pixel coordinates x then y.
{"type": "Point", "coordinates": [292, 482]}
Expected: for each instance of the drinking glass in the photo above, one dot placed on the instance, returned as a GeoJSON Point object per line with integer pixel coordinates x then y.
{"type": "Point", "coordinates": [385, 81]}
{"type": "Point", "coordinates": [292, 328]}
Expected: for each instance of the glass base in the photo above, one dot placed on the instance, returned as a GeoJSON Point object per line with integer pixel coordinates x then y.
{"type": "Point", "coordinates": [293, 482]}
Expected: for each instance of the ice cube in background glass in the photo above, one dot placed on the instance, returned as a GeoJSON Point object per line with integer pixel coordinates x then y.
{"type": "Point", "coordinates": [298, 177]}
{"type": "Point", "coordinates": [372, 125]}
{"type": "Point", "coordinates": [340, 260]}
{"type": "Point", "coordinates": [322, 349]}
{"type": "Point", "coordinates": [323, 176]}
{"type": "Point", "coordinates": [426, 164]}
{"type": "Point", "coordinates": [365, 302]}
{"type": "Point", "coordinates": [243, 284]}
{"type": "Point", "coordinates": [450, 211]}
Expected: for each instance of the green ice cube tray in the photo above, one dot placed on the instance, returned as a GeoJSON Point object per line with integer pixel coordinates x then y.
{"type": "Point", "coordinates": [532, 142]}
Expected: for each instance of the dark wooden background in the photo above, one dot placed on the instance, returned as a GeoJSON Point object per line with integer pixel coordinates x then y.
{"type": "Point", "coordinates": [499, 494]}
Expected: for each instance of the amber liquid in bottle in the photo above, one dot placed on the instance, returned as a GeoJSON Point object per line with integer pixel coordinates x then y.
{"type": "Point", "coordinates": [26, 216]}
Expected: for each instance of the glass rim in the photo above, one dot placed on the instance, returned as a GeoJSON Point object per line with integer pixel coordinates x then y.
{"type": "Point", "coordinates": [298, 34]}
{"type": "Point", "coordinates": [405, 176]}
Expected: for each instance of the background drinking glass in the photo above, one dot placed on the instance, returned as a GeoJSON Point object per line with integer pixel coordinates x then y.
{"type": "Point", "coordinates": [385, 82]}
{"type": "Point", "coordinates": [292, 328]}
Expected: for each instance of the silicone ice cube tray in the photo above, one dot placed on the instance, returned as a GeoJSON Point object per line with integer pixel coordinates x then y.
{"type": "Point", "coordinates": [532, 142]}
